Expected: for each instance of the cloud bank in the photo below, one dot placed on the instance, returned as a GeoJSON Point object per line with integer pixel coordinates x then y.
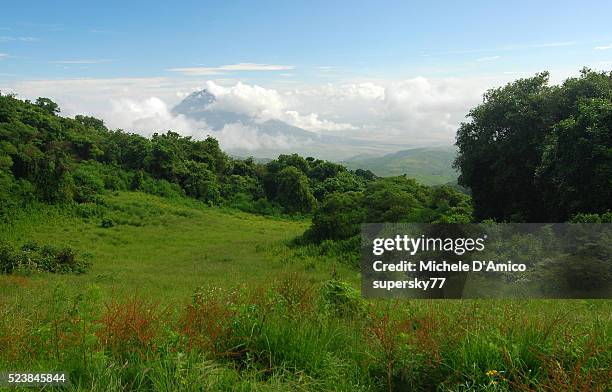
{"type": "Point", "coordinates": [416, 111]}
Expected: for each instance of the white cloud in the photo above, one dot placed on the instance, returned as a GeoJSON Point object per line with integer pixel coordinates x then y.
{"type": "Point", "coordinates": [489, 59]}
{"type": "Point", "coordinates": [312, 122]}
{"type": "Point", "coordinates": [554, 44]}
{"type": "Point", "coordinates": [604, 47]}
{"type": "Point", "coordinates": [21, 39]}
{"type": "Point", "coordinates": [81, 61]}
{"type": "Point", "coordinates": [248, 138]}
{"type": "Point", "coordinates": [412, 111]}
{"type": "Point", "coordinates": [201, 71]}
{"type": "Point", "coordinates": [148, 116]}
{"type": "Point", "coordinates": [265, 104]}
{"type": "Point", "coordinates": [252, 100]}
{"type": "Point", "coordinates": [3, 55]}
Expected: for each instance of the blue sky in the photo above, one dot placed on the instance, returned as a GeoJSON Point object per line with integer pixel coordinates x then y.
{"type": "Point", "coordinates": [389, 70]}
{"type": "Point", "coordinates": [71, 39]}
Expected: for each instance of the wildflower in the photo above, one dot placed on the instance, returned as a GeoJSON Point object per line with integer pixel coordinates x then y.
{"type": "Point", "coordinates": [492, 373]}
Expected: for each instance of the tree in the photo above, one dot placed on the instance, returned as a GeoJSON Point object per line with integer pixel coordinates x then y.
{"type": "Point", "coordinates": [47, 105]}
{"type": "Point", "coordinates": [500, 149]}
{"type": "Point", "coordinates": [576, 168]}
{"type": "Point", "coordinates": [396, 199]}
{"type": "Point", "coordinates": [510, 157]}
{"type": "Point", "coordinates": [199, 182]}
{"type": "Point", "coordinates": [293, 191]}
{"type": "Point", "coordinates": [338, 218]}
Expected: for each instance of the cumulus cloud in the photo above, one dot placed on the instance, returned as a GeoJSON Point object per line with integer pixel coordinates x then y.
{"type": "Point", "coordinates": [266, 104]}
{"type": "Point", "coordinates": [417, 111]}
{"type": "Point", "coordinates": [151, 115]}
{"type": "Point", "coordinates": [252, 100]}
{"type": "Point", "coordinates": [154, 115]}
{"type": "Point", "coordinates": [241, 137]}
{"type": "Point", "coordinates": [412, 111]}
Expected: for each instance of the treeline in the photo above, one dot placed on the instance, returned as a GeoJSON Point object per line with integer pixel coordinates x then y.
{"type": "Point", "coordinates": [532, 152]}
{"type": "Point", "coordinates": [55, 159]}
{"type": "Point", "coordinates": [50, 158]}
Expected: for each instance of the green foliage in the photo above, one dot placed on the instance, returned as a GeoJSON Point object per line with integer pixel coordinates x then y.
{"type": "Point", "coordinates": [576, 168]}
{"type": "Point", "coordinates": [79, 159]}
{"type": "Point", "coordinates": [32, 257]}
{"type": "Point", "coordinates": [47, 105]}
{"type": "Point", "coordinates": [199, 182]}
{"type": "Point", "coordinates": [88, 183]}
{"type": "Point", "coordinates": [293, 191]}
{"type": "Point", "coordinates": [338, 217]}
{"type": "Point", "coordinates": [539, 153]}
{"type": "Point", "coordinates": [391, 199]}
{"type": "Point", "coordinates": [592, 218]}
{"type": "Point", "coordinates": [106, 223]}
{"type": "Point", "coordinates": [341, 299]}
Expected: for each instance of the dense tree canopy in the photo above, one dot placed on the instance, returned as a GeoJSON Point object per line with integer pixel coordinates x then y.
{"type": "Point", "coordinates": [534, 152]}
{"type": "Point", "coordinates": [56, 159]}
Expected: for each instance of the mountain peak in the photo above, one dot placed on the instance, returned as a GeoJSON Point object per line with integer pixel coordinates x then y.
{"type": "Point", "coordinates": [195, 102]}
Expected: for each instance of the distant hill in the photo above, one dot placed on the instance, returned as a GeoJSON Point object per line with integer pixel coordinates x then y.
{"type": "Point", "coordinates": [431, 165]}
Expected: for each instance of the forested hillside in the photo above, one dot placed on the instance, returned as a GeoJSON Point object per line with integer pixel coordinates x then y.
{"type": "Point", "coordinates": [50, 158]}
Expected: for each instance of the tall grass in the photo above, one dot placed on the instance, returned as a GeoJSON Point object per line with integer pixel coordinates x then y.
{"type": "Point", "coordinates": [257, 339]}
{"type": "Point", "coordinates": [182, 297]}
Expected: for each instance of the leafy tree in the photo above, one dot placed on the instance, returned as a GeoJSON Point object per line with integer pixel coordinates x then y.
{"type": "Point", "coordinates": [293, 191]}
{"type": "Point", "coordinates": [396, 199]}
{"type": "Point", "coordinates": [338, 218]}
{"type": "Point", "coordinates": [137, 182]}
{"type": "Point", "coordinates": [515, 150]}
{"type": "Point", "coordinates": [343, 181]}
{"type": "Point", "coordinates": [47, 105]}
{"type": "Point", "coordinates": [576, 168]}
{"type": "Point", "coordinates": [199, 182]}
{"type": "Point", "coordinates": [500, 149]}
{"type": "Point", "coordinates": [91, 122]}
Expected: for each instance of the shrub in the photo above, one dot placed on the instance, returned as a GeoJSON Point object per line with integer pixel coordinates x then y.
{"type": "Point", "coordinates": [32, 257]}
{"type": "Point", "coordinates": [342, 299]}
{"type": "Point", "coordinates": [8, 260]}
{"type": "Point", "coordinates": [88, 182]}
{"type": "Point", "coordinates": [107, 222]}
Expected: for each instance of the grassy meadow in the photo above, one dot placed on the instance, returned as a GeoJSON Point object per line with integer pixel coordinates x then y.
{"type": "Point", "coordinates": [163, 247]}
{"type": "Point", "coordinates": [181, 296]}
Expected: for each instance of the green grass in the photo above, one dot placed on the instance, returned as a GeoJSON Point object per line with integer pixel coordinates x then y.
{"type": "Point", "coordinates": [184, 297]}
{"type": "Point", "coordinates": [166, 247]}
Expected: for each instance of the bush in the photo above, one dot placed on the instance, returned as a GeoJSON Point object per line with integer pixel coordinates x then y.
{"type": "Point", "coordinates": [32, 257]}
{"type": "Point", "coordinates": [592, 218]}
{"type": "Point", "coordinates": [162, 188]}
{"type": "Point", "coordinates": [342, 299]}
{"type": "Point", "coordinates": [88, 183]}
{"type": "Point", "coordinates": [8, 259]}
{"type": "Point", "coordinates": [107, 222]}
